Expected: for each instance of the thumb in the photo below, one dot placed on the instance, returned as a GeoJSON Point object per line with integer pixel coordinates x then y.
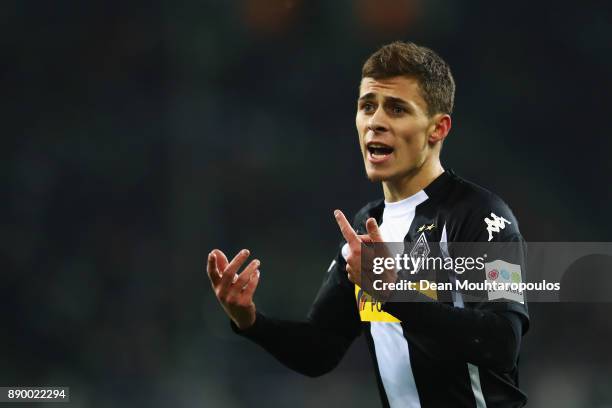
{"type": "Point", "coordinates": [373, 230]}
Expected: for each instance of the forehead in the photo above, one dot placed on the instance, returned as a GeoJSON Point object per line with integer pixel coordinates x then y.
{"type": "Point", "coordinates": [402, 87]}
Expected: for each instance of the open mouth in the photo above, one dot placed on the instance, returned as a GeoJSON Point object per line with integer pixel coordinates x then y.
{"type": "Point", "coordinates": [379, 151]}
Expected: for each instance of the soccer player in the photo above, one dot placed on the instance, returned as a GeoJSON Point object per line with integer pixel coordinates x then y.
{"type": "Point", "coordinates": [426, 354]}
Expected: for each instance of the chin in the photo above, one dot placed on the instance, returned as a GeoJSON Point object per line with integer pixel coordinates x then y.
{"type": "Point", "coordinates": [377, 176]}
{"type": "Point", "coordinates": [375, 179]}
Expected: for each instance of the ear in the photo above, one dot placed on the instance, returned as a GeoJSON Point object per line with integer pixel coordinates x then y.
{"type": "Point", "coordinates": [440, 127]}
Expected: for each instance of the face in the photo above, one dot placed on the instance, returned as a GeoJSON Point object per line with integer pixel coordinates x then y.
{"type": "Point", "coordinates": [394, 127]}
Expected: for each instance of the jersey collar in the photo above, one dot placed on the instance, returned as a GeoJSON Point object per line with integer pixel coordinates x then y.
{"type": "Point", "coordinates": [435, 187]}
{"type": "Point", "coordinates": [432, 190]}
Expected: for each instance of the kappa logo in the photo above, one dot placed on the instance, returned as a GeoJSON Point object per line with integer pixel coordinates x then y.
{"type": "Point", "coordinates": [495, 225]}
{"type": "Point", "coordinates": [426, 227]}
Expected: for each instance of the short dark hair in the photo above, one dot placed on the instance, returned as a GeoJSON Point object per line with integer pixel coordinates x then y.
{"type": "Point", "coordinates": [408, 59]}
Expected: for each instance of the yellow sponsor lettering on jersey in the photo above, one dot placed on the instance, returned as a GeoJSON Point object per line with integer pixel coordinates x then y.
{"type": "Point", "coordinates": [370, 310]}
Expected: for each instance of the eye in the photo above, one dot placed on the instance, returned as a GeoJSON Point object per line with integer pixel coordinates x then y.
{"type": "Point", "coordinates": [398, 110]}
{"type": "Point", "coordinates": [368, 107]}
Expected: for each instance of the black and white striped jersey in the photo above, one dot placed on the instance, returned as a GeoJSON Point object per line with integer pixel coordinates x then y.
{"type": "Point", "coordinates": [442, 354]}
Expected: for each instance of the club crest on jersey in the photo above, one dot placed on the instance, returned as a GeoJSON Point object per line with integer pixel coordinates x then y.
{"type": "Point", "coordinates": [495, 224]}
{"type": "Point", "coordinates": [420, 250]}
{"type": "Point", "coordinates": [426, 227]}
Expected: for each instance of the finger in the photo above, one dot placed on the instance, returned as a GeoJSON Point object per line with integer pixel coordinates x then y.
{"type": "Point", "coordinates": [245, 275]}
{"type": "Point", "coordinates": [365, 238]}
{"type": "Point", "coordinates": [345, 228]}
{"type": "Point", "coordinates": [350, 272]}
{"type": "Point", "coordinates": [251, 285]}
{"type": "Point", "coordinates": [349, 269]}
{"type": "Point", "coordinates": [221, 259]}
{"type": "Point", "coordinates": [228, 274]}
{"type": "Point", "coordinates": [373, 230]}
{"type": "Point", "coordinates": [211, 268]}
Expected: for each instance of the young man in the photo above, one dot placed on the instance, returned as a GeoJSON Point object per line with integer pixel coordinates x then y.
{"type": "Point", "coordinates": [426, 354]}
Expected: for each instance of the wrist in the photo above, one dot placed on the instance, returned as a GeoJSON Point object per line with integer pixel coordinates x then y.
{"type": "Point", "coordinates": [250, 328]}
{"type": "Point", "coordinates": [245, 324]}
{"type": "Point", "coordinates": [244, 319]}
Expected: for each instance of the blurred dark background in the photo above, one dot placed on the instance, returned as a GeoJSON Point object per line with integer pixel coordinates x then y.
{"type": "Point", "coordinates": [137, 136]}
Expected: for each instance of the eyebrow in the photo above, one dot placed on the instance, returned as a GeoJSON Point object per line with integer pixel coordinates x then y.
{"type": "Point", "coordinates": [370, 96]}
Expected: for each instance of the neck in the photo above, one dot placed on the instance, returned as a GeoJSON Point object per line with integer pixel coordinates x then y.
{"type": "Point", "coordinates": [413, 182]}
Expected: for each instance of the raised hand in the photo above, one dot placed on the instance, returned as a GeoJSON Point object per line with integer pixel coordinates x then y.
{"type": "Point", "coordinates": [234, 291]}
{"type": "Point", "coordinates": [354, 241]}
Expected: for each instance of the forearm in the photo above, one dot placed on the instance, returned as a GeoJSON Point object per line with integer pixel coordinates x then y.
{"type": "Point", "coordinates": [301, 346]}
{"type": "Point", "coordinates": [483, 338]}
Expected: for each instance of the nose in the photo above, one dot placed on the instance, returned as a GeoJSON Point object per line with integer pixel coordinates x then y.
{"type": "Point", "coordinates": [377, 122]}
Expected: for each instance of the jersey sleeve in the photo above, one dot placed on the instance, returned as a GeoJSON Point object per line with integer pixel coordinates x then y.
{"type": "Point", "coordinates": [334, 308]}
{"type": "Point", "coordinates": [494, 231]}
